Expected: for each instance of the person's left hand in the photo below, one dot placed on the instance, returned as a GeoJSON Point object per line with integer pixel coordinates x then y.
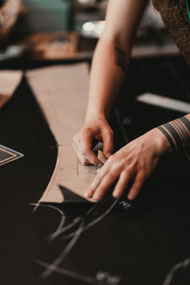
{"type": "Point", "coordinates": [134, 162]}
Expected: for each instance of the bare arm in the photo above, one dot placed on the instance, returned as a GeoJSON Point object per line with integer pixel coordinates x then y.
{"type": "Point", "coordinates": [112, 54]}
{"type": "Point", "coordinates": [135, 161]}
{"type": "Point", "coordinates": [109, 64]}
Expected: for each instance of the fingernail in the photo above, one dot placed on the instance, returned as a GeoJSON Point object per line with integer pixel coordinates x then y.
{"type": "Point", "coordinates": [100, 164]}
{"type": "Point", "coordinates": [115, 194]}
{"type": "Point", "coordinates": [108, 154]}
{"type": "Point", "coordinates": [88, 194]}
{"type": "Point", "coordinates": [96, 197]}
{"type": "Point", "coordinates": [130, 197]}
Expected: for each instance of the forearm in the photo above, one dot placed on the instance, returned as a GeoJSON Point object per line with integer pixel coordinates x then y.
{"type": "Point", "coordinates": [107, 74]}
{"type": "Point", "coordinates": [112, 54]}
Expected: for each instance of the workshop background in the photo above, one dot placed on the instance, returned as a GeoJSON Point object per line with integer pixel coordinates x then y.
{"type": "Point", "coordinates": [49, 233]}
{"type": "Point", "coordinates": [69, 30]}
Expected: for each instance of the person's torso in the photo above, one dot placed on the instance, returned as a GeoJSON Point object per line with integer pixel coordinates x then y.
{"type": "Point", "coordinates": [175, 17]}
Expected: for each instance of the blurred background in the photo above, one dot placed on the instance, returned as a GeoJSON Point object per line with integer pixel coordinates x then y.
{"type": "Point", "coordinates": [68, 30]}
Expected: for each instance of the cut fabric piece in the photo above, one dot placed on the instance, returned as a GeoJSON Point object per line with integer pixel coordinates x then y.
{"type": "Point", "coordinates": [8, 155]}
{"type": "Point", "coordinates": [62, 93]}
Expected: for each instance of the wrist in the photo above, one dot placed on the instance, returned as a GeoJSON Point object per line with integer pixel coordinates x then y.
{"type": "Point", "coordinates": [162, 145]}
{"type": "Point", "coordinates": [94, 116]}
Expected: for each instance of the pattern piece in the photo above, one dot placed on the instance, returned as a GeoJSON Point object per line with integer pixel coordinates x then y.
{"type": "Point", "coordinates": [8, 155]}
{"type": "Point", "coordinates": [62, 93]}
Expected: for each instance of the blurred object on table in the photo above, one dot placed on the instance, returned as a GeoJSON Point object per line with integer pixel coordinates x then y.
{"type": "Point", "coordinates": [69, 30]}
{"type": "Point", "coordinates": [13, 51]}
{"type": "Point", "coordinates": [10, 11]}
{"type": "Point", "coordinates": [91, 3]}
{"type": "Point", "coordinates": [93, 29]}
{"type": "Point", "coordinates": [88, 11]}
{"type": "Point", "coordinates": [53, 46]}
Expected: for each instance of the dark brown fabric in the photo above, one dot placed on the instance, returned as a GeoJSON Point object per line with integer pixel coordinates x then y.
{"type": "Point", "coordinates": [176, 20]}
{"type": "Point", "coordinates": [162, 3]}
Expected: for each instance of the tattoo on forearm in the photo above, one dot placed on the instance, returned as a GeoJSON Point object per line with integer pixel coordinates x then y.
{"type": "Point", "coordinates": [120, 58]}
{"type": "Point", "coordinates": [178, 134]}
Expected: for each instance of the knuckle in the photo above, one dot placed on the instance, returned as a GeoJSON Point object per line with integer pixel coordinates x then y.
{"type": "Point", "coordinates": [130, 169]}
{"type": "Point", "coordinates": [110, 176]}
{"type": "Point", "coordinates": [86, 132]}
{"type": "Point", "coordinates": [116, 165]}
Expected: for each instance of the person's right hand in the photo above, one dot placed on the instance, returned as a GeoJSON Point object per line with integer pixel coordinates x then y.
{"type": "Point", "coordinates": [94, 129]}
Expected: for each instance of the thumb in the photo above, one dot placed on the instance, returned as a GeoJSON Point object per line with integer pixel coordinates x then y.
{"type": "Point", "coordinates": [107, 138]}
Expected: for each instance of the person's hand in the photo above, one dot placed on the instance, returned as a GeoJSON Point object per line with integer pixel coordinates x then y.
{"type": "Point", "coordinates": [94, 129]}
{"type": "Point", "coordinates": [133, 163]}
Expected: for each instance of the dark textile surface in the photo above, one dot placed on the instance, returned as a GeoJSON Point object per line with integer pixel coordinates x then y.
{"type": "Point", "coordinates": [110, 242]}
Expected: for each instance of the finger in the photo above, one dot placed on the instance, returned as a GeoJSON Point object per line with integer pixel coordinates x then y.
{"type": "Point", "coordinates": [97, 180]}
{"type": "Point", "coordinates": [107, 138]}
{"type": "Point", "coordinates": [134, 191]}
{"type": "Point", "coordinates": [81, 158]}
{"type": "Point", "coordinates": [105, 185]}
{"type": "Point", "coordinates": [121, 184]}
{"type": "Point", "coordinates": [92, 158]}
{"type": "Point", "coordinates": [87, 153]}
